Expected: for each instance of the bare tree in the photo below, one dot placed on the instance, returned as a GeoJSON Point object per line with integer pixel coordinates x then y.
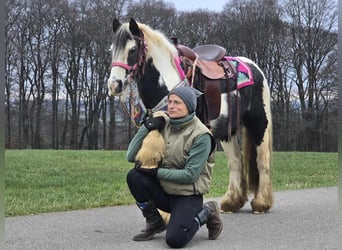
{"type": "Point", "coordinates": [17, 71]}
{"type": "Point", "coordinates": [158, 14]}
{"type": "Point", "coordinates": [40, 41]}
{"type": "Point", "coordinates": [250, 28]}
{"type": "Point", "coordinates": [312, 25]}
{"type": "Point", "coordinates": [11, 17]}
{"type": "Point", "coordinates": [195, 28]}
{"type": "Point", "coordinates": [56, 32]}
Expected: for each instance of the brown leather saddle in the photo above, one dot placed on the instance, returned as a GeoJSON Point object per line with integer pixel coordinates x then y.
{"type": "Point", "coordinates": [211, 72]}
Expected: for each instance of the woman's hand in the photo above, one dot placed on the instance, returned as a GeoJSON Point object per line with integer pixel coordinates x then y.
{"type": "Point", "coordinates": [148, 171]}
{"type": "Point", "coordinates": [155, 123]}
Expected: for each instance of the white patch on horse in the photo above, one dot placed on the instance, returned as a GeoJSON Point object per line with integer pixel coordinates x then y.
{"type": "Point", "coordinates": [224, 105]}
{"type": "Point", "coordinates": [118, 73]}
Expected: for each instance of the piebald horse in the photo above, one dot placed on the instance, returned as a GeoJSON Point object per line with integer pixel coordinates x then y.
{"type": "Point", "coordinates": [145, 57]}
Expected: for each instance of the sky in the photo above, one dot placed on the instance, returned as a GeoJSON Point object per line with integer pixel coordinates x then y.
{"type": "Point", "coordinates": [188, 5]}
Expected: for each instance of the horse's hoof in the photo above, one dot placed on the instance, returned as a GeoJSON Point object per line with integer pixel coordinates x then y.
{"type": "Point", "coordinates": [229, 208]}
{"type": "Point", "coordinates": [260, 206]}
{"type": "Point", "coordinates": [232, 204]}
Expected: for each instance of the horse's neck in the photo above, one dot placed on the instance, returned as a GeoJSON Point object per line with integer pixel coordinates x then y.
{"type": "Point", "coordinates": [165, 64]}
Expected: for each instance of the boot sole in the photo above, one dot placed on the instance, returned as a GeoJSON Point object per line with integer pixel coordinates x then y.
{"type": "Point", "coordinates": [150, 237]}
{"type": "Point", "coordinates": [221, 224]}
{"type": "Point", "coordinates": [218, 232]}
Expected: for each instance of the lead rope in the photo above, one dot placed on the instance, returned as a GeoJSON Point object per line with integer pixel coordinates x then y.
{"type": "Point", "coordinates": [134, 107]}
{"type": "Point", "coordinates": [126, 110]}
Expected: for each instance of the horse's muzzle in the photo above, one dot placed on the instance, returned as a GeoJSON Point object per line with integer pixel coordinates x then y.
{"type": "Point", "coordinates": [115, 87]}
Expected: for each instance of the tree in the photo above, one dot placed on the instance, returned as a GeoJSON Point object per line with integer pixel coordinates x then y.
{"type": "Point", "coordinates": [56, 32]}
{"type": "Point", "coordinates": [159, 14]}
{"type": "Point", "coordinates": [313, 33]}
{"type": "Point", "coordinates": [17, 70]}
{"type": "Point", "coordinates": [195, 28]}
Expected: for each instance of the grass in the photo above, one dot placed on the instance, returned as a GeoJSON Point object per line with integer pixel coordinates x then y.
{"type": "Point", "coordinates": [39, 181]}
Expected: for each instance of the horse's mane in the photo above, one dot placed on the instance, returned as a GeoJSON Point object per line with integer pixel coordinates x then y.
{"type": "Point", "coordinates": [157, 39]}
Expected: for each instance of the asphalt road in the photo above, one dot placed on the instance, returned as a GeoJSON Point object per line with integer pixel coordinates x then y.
{"type": "Point", "coordinates": [302, 219]}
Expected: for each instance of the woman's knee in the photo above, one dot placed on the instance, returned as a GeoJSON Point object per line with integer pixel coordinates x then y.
{"type": "Point", "coordinates": [179, 236]}
{"type": "Point", "coordinates": [134, 179]}
{"type": "Point", "coordinates": [176, 240]}
{"type": "Point", "coordinates": [131, 176]}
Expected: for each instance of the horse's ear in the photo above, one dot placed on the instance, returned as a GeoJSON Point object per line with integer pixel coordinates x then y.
{"type": "Point", "coordinates": [116, 25]}
{"type": "Point", "coordinates": [134, 28]}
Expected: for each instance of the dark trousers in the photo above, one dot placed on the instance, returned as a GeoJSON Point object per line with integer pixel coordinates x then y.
{"type": "Point", "coordinates": [183, 209]}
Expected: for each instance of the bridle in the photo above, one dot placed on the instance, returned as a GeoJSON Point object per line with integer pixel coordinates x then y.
{"type": "Point", "coordinates": [137, 69]}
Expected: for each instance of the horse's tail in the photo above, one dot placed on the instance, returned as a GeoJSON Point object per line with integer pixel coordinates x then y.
{"type": "Point", "coordinates": [249, 152]}
{"type": "Point", "coordinates": [249, 164]}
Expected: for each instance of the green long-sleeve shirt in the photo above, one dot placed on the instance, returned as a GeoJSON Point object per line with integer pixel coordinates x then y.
{"type": "Point", "coordinates": [195, 162]}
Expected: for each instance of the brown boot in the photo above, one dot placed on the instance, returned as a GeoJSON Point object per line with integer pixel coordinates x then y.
{"type": "Point", "coordinates": [154, 222]}
{"type": "Point", "coordinates": [214, 223]}
{"type": "Point", "coordinates": [210, 216]}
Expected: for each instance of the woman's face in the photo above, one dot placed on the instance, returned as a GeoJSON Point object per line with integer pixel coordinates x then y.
{"type": "Point", "coordinates": [176, 108]}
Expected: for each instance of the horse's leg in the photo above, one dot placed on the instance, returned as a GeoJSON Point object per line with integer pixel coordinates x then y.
{"type": "Point", "coordinates": [263, 199]}
{"type": "Point", "coordinates": [236, 195]}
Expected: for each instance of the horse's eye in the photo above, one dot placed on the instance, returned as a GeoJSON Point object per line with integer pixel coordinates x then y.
{"type": "Point", "coordinates": [133, 49]}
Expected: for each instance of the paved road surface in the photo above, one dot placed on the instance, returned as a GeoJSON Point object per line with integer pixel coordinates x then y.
{"type": "Point", "coordinates": [302, 219]}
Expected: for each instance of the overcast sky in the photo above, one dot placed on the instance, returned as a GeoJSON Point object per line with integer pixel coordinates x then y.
{"type": "Point", "coordinates": [188, 5]}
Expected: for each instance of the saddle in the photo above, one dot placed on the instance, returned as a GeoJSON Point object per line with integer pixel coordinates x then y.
{"type": "Point", "coordinates": [213, 75]}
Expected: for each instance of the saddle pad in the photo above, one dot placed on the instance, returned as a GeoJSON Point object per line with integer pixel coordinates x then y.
{"type": "Point", "coordinates": [243, 72]}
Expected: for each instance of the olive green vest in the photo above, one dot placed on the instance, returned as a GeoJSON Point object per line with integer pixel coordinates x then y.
{"type": "Point", "coordinates": [178, 144]}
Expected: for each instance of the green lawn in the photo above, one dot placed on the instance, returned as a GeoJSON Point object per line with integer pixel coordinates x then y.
{"type": "Point", "coordinates": [40, 181]}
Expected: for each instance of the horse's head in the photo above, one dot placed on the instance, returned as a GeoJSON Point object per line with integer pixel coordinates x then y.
{"type": "Point", "coordinates": [128, 55]}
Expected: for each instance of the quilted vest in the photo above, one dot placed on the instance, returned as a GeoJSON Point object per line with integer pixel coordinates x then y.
{"type": "Point", "coordinates": [178, 145]}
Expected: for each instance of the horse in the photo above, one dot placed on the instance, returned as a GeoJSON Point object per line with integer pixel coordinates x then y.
{"type": "Point", "coordinates": [243, 123]}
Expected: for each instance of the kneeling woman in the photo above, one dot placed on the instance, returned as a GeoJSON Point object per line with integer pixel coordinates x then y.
{"type": "Point", "coordinates": [177, 186]}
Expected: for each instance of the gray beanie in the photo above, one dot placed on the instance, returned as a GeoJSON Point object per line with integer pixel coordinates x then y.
{"type": "Point", "coordinates": [188, 95]}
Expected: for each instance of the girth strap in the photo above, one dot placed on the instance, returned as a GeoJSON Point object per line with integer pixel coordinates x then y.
{"type": "Point", "coordinates": [231, 74]}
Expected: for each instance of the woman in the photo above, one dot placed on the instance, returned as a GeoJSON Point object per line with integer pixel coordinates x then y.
{"type": "Point", "coordinates": [177, 186]}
